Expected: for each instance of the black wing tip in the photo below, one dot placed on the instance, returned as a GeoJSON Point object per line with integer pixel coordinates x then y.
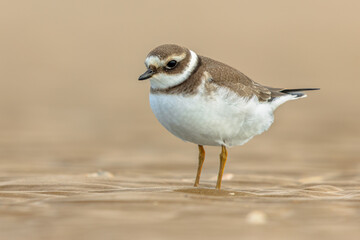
{"type": "Point", "coordinates": [299, 90]}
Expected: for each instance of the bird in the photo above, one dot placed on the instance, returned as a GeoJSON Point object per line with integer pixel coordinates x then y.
{"type": "Point", "coordinates": [209, 103]}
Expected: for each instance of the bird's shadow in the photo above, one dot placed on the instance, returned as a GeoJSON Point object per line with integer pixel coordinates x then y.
{"type": "Point", "coordinates": [207, 191]}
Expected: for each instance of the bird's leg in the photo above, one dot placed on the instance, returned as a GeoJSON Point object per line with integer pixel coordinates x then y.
{"type": "Point", "coordinates": [201, 161]}
{"type": "Point", "coordinates": [223, 157]}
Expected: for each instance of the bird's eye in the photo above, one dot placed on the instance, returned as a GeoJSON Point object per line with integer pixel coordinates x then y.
{"type": "Point", "coordinates": [171, 64]}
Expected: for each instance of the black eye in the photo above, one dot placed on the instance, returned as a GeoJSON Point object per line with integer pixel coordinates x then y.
{"type": "Point", "coordinates": [171, 64]}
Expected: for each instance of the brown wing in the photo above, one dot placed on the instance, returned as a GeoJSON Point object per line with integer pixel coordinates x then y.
{"type": "Point", "coordinates": [226, 76]}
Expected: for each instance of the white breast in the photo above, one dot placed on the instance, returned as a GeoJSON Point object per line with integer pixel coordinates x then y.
{"type": "Point", "coordinates": [222, 118]}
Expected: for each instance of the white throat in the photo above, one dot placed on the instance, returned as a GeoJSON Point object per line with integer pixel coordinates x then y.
{"type": "Point", "coordinates": [163, 80]}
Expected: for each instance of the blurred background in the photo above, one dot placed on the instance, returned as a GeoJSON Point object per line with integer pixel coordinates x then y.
{"type": "Point", "coordinates": [71, 105]}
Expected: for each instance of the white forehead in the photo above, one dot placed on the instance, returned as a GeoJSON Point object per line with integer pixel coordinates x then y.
{"type": "Point", "coordinates": [153, 60]}
{"type": "Point", "coordinates": [157, 62]}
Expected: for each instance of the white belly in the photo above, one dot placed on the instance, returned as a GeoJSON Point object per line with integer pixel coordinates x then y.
{"type": "Point", "coordinates": [223, 118]}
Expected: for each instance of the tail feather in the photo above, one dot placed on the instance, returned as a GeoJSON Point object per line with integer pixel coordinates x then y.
{"type": "Point", "coordinates": [298, 91]}
{"type": "Point", "coordinates": [280, 96]}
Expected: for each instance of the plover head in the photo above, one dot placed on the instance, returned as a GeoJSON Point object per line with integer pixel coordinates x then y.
{"type": "Point", "coordinates": [169, 65]}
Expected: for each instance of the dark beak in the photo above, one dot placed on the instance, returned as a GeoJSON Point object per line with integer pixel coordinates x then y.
{"type": "Point", "coordinates": [147, 74]}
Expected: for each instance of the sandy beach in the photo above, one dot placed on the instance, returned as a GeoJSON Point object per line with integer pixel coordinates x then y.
{"type": "Point", "coordinates": [83, 157]}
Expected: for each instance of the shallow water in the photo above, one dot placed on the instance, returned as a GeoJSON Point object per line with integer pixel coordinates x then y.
{"type": "Point", "coordinates": [69, 196]}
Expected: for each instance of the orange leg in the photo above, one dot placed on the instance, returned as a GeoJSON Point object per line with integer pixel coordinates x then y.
{"type": "Point", "coordinates": [223, 157]}
{"type": "Point", "coordinates": [201, 161]}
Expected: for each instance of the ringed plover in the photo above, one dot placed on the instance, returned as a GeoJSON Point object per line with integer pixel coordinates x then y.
{"type": "Point", "coordinates": [209, 103]}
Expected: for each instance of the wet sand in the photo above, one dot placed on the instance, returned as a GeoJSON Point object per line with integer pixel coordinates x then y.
{"type": "Point", "coordinates": [103, 192]}
{"type": "Point", "coordinates": [83, 157]}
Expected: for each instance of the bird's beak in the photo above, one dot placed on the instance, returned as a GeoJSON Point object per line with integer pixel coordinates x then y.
{"type": "Point", "coordinates": [147, 74]}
